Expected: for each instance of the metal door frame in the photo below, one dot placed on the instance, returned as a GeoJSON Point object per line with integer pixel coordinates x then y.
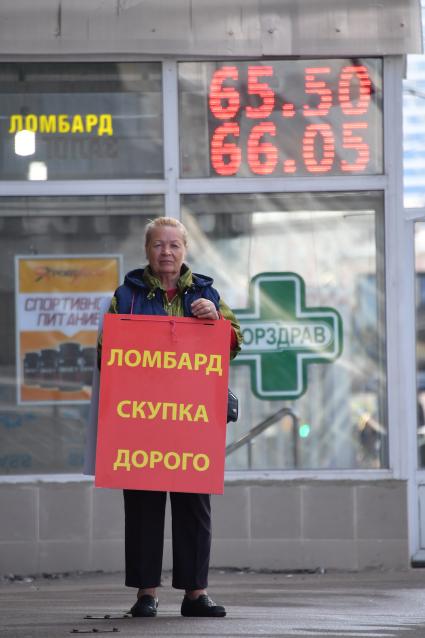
{"type": "Point", "coordinates": [416, 476]}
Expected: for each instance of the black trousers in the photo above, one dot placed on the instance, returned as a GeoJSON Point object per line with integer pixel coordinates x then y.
{"type": "Point", "coordinates": [144, 538]}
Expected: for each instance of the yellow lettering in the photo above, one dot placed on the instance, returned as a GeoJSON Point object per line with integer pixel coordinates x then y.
{"type": "Point", "coordinates": [186, 455]}
{"type": "Point", "coordinates": [201, 413]}
{"type": "Point", "coordinates": [169, 360]}
{"type": "Point", "coordinates": [135, 355]}
{"type": "Point", "coordinates": [155, 457]}
{"type": "Point", "coordinates": [185, 362]}
{"type": "Point", "coordinates": [200, 360]}
{"type": "Point", "coordinates": [31, 123]}
{"type": "Point", "coordinates": [119, 463]}
{"type": "Point", "coordinates": [116, 353]}
{"type": "Point", "coordinates": [215, 364]}
{"type": "Point", "coordinates": [154, 408]}
{"type": "Point", "coordinates": [63, 124]}
{"type": "Point", "coordinates": [151, 360]}
{"type": "Point", "coordinates": [16, 123]}
{"type": "Point", "coordinates": [91, 122]}
{"type": "Point", "coordinates": [184, 411]}
{"type": "Point", "coordinates": [136, 454]}
{"type": "Point", "coordinates": [137, 410]}
{"type": "Point", "coordinates": [47, 124]}
{"type": "Point", "coordinates": [120, 409]}
{"type": "Point", "coordinates": [105, 124]}
{"type": "Point", "coordinates": [172, 460]}
{"type": "Point", "coordinates": [167, 461]}
{"type": "Point", "coordinates": [173, 408]}
{"type": "Point", "coordinates": [77, 125]}
{"type": "Point", "coordinates": [196, 462]}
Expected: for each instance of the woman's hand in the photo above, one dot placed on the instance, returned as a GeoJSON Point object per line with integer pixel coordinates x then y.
{"type": "Point", "coordinates": [204, 309]}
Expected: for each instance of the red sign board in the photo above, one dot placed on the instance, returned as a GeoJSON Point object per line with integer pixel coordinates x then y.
{"type": "Point", "coordinates": [163, 404]}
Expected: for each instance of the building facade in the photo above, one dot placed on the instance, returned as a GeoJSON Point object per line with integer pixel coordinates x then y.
{"type": "Point", "coordinates": [273, 130]}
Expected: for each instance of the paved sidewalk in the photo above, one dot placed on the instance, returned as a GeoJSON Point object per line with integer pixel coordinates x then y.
{"type": "Point", "coordinates": [342, 605]}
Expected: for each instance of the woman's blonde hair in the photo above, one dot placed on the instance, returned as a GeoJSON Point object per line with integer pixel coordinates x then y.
{"type": "Point", "coordinates": [164, 221]}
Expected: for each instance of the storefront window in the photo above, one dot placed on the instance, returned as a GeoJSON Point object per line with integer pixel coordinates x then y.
{"type": "Point", "coordinates": [281, 118]}
{"type": "Point", "coordinates": [47, 321]}
{"type": "Point", "coordinates": [323, 405]}
{"type": "Point", "coordinates": [81, 121]}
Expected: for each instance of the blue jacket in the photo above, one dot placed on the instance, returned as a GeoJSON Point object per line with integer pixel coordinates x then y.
{"type": "Point", "coordinates": [135, 296]}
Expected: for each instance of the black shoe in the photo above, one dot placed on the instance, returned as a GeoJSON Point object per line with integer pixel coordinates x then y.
{"type": "Point", "coordinates": [202, 606]}
{"type": "Point", "coordinates": [145, 606]}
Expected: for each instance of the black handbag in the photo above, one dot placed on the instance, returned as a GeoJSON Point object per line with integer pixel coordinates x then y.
{"type": "Point", "coordinates": [232, 406]}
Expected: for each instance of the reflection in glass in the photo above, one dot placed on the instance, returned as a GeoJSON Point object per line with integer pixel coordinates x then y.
{"type": "Point", "coordinates": [335, 243]}
{"type": "Point", "coordinates": [81, 120]}
{"type": "Point", "coordinates": [50, 438]}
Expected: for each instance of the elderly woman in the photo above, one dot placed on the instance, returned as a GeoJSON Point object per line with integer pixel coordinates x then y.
{"type": "Point", "coordinates": [166, 286]}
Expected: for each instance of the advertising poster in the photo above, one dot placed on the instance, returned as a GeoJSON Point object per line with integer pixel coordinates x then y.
{"type": "Point", "coordinates": [58, 299]}
{"type": "Point", "coordinates": [163, 404]}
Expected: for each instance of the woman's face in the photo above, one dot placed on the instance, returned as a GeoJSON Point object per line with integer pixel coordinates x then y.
{"type": "Point", "coordinates": [166, 252]}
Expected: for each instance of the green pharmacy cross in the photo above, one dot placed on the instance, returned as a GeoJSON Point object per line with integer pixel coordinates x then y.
{"type": "Point", "coordinates": [281, 337]}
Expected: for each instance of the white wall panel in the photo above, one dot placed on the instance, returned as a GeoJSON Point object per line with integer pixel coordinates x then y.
{"type": "Point", "coordinates": [202, 27]}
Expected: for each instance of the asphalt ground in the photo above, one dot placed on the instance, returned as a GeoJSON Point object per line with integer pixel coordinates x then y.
{"type": "Point", "coordinates": [368, 604]}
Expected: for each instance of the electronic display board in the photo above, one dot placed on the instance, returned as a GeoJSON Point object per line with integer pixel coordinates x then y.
{"type": "Point", "coordinates": [280, 118]}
